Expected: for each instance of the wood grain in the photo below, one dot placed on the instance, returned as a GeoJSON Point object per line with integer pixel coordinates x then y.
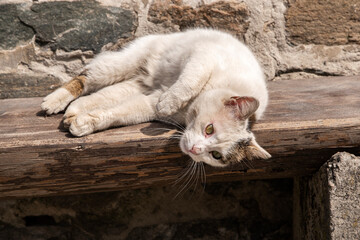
{"type": "Point", "coordinates": [307, 121]}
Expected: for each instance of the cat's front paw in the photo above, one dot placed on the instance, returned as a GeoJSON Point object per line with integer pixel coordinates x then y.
{"type": "Point", "coordinates": [168, 104]}
{"type": "Point", "coordinates": [57, 101]}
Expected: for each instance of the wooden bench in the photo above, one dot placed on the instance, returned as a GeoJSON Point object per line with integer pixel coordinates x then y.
{"type": "Point", "coordinates": [306, 123]}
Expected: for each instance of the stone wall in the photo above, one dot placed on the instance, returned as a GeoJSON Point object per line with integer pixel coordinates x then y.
{"type": "Point", "coordinates": [290, 38]}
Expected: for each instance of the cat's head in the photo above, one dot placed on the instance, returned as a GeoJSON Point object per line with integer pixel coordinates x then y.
{"type": "Point", "coordinates": [217, 129]}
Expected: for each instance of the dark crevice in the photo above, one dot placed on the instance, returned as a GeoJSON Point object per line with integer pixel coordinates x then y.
{"type": "Point", "coordinates": [38, 40]}
{"type": "Point", "coordinates": [306, 70]}
{"type": "Point", "coordinates": [41, 220]}
{"type": "Point", "coordinates": [27, 25]}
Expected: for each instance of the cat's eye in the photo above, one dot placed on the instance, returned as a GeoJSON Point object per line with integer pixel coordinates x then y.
{"type": "Point", "coordinates": [209, 129]}
{"type": "Point", "coordinates": [216, 155]}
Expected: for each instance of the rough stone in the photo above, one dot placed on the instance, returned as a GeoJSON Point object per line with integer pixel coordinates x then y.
{"type": "Point", "coordinates": [324, 22]}
{"type": "Point", "coordinates": [79, 25]}
{"type": "Point", "coordinates": [230, 16]}
{"type": "Point", "coordinates": [11, 59]}
{"type": "Point", "coordinates": [327, 205]}
{"type": "Point", "coordinates": [16, 85]}
{"type": "Point", "coordinates": [12, 31]}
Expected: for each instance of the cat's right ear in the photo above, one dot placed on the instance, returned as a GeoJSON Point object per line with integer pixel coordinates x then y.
{"type": "Point", "coordinates": [242, 107]}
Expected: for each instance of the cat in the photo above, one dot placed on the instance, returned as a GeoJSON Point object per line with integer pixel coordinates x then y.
{"type": "Point", "coordinates": [205, 79]}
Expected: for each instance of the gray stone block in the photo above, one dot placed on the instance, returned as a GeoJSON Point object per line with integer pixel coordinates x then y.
{"type": "Point", "coordinates": [327, 205]}
{"type": "Point", "coordinates": [84, 25]}
{"type": "Point", "coordinates": [18, 85]}
{"type": "Point", "coordinates": [12, 30]}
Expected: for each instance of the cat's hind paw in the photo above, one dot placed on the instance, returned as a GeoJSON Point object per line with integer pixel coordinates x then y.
{"type": "Point", "coordinates": [71, 114]}
{"type": "Point", "coordinates": [86, 123]}
{"type": "Point", "coordinates": [82, 125]}
{"type": "Point", "coordinates": [68, 119]}
{"type": "Point", "coordinates": [57, 101]}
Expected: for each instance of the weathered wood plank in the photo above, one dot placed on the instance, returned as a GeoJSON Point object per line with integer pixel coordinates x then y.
{"type": "Point", "coordinates": [306, 123]}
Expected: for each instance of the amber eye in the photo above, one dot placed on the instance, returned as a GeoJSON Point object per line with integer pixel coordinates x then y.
{"type": "Point", "coordinates": [209, 129]}
{"type": "Point", "coordinates": [216, 155]}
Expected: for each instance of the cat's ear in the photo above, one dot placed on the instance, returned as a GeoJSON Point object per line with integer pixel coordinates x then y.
{"type": "Point", "coordinates": [254, 151]}
{"type": "Point", "coordinates": [243, 107]}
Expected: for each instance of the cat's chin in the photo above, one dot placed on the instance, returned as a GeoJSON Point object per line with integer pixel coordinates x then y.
{"type": "Point", "coordinates": [199, 159]}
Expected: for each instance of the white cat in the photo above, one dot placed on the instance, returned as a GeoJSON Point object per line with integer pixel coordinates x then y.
{"type": "Point", "coordinates": [203, 78]}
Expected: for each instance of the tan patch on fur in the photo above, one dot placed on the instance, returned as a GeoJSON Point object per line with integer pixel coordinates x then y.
{"type": "Point", "coordinates": [237, 153]}
{"type": "Point", "coordinates": [76, 85]}
{"type": "Point", "coordinates": [246, 150]}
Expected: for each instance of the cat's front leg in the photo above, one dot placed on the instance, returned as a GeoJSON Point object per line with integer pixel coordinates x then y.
{"type": "Point", "coordinates": [191, 81]}
{"type": "Point", "coordinates": [58, 100]}
{"type": "Point", "coordinates": [169, 103]}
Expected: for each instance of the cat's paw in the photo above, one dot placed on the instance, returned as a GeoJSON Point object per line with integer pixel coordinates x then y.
{"type": "Point", "coordinates": [70, 115]}
{"type": "Point", "coordinates": [68, 119]}
{"type": "Point", "coordinates": [168, 104]}
{"type": "Point", "coordinates": [86, 123]}
{"type": "Point", "coordinates": [57, 101]}
{"type": "Point", "coordinates": [82, 125]}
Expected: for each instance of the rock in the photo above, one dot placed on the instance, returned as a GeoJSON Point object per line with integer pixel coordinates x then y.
{"type": "Point", "coordinates": [16, 85]}
{"type": "Point", "coordinates": [11, 59]}
{"type": "Point", "coordinates": [327, 205]}
{"type": "Point", "coordinates": [324, 22]}
{"type": "Point", "coordinates": [12, 31]}
{"type": "Point", "coordinates": [79, 25]}
{"type": "Point", "coordinates": [344, 188]}
{"type": "Point", "coordinates": [230, 16]}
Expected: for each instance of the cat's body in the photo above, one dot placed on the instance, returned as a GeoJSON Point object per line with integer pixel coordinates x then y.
{"type": "Point", "coordinates": [197, 78]}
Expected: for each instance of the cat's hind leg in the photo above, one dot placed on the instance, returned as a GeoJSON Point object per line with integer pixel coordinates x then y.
{"type": "Point", "coordinates": [137, 109]}
{"type": "Point", "coordinates": [106, 69]}
{"type": "Point", "coordinates": [103, 99]}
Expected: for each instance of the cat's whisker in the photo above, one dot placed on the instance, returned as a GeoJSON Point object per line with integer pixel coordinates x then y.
{"type": "Point", "coordinates": [195, 180]}
{"type": "Point", "coordinates": [249, 161]}
{"type": "Point", "coordinates": [175, 137]}
{"type": "Point", "coordinates": [203, 178]}
{"type": "Point", "coordinates": [197, 176]}
{"type": "Point", "coordinates": [173, 123]}
{"type": "Point", "coordinates": [176, 123]}
{"type": "Point", "coordinates": [203, 175]}
{"type": "Point", "coordinates": [242, 165]}
{"type": "Point", "coordinates": [185, 172]}
{"type": "Point", "coordinates": [247, 166]}
{"type": "Point", "coordinates": [186, 184]}
{"type": "Point", "coordinates": [166, 129]}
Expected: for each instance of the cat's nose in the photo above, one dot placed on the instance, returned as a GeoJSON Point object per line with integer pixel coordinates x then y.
{"type": "Point", "coordinates": [195, 150]}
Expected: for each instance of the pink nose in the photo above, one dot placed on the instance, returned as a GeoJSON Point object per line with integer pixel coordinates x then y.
{"type": "Point", "coordinates": [195, 150]}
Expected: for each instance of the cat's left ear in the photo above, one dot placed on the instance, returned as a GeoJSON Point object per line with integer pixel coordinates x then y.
{"type": "Point", "coordinates": [254, 151]}
{"type": "Point", "coordinates": [243, 107]}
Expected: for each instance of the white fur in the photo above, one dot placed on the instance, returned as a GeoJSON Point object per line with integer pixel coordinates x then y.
{"type": "Point", "coordinates": [57, 101]}
{"type": "Point", "coordinates": [160, 76]}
